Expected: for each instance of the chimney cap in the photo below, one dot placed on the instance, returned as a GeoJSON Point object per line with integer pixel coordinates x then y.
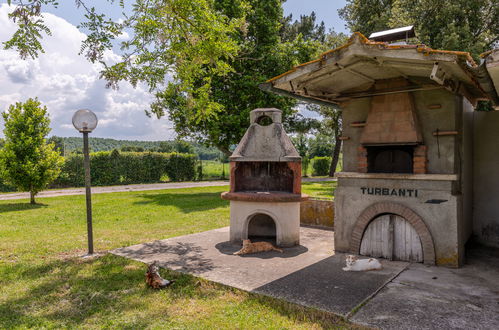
{"type": "Point", "coordinates": [274, 114]}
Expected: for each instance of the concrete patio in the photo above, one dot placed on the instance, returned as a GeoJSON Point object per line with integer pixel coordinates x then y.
{"type": "Point", "coordinates": [402, 295]}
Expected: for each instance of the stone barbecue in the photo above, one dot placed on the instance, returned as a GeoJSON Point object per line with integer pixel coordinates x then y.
{"type": "Point", "coordinates": [265, 183]}
{"type": "Point", "coordinates": [408, 188]}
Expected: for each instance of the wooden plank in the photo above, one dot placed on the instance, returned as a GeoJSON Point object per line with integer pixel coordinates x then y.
{"type": "Point", "coordinates": [407, 245]}
{"type": "Point", "coordinates": [390, 236]}
{"type": "Point", "coordinates": [375, 241]}
{"type": "Point", "coordinates": [445, 133]}
{"type": "Point", "coordinates": [358, 124]}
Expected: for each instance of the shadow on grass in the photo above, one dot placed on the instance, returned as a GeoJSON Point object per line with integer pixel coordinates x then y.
{"type": "Point", "coordinates": [110, 292]}
{"type": "Point", "coordinates": [12, 207]}
{"type": "Point", "coordinates": [66, 293]}
{"type": "Point", "coordinates": [186, 202]}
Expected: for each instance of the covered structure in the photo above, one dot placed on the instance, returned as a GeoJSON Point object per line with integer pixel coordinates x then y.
{"type": "Point", "coordinates": [416, 182]}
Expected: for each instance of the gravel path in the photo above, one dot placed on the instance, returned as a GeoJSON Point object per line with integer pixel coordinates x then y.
{"type": "Point", "coordinates": [132, 187]}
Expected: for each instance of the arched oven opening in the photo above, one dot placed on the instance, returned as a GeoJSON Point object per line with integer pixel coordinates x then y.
{"type": "Point", "coordinates": [262, 227]}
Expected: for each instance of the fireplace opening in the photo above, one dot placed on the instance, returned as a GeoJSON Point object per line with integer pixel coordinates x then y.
{"type": "Point", "coordinates": [263, 176]}
{"type": "Point", "coordinates": [390, 159]}
{"type": "Point", "coordinates": [261, 227]}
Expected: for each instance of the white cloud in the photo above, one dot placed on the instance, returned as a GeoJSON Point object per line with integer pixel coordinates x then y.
{"type": "Point", "coordinates": [65, 81]}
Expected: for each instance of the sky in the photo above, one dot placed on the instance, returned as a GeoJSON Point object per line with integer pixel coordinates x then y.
{"type": "Point", "coordinates": [65, 82]}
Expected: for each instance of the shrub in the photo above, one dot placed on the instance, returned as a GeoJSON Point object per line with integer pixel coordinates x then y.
{"type": "Point", "coordinates": [181, 167]}
{"type": "Point", "coordinates": [320, 165]}
{"type": "Point", "coordinates": [111, 168]}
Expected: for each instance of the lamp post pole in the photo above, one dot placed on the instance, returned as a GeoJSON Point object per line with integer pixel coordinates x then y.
{"type": "Point", "coordinates": [85, 121]}
{"type": "Point", "coordinates": [88, 193]}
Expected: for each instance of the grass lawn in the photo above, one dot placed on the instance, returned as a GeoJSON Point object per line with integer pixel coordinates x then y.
{"type": "Point", "coordinates": [212, 170]}
{"type": "Point", "coordinates": [45, 284]}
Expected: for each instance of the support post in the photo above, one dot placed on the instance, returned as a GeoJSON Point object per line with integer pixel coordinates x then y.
{"type": "Point", "coordinates": [86, 163]}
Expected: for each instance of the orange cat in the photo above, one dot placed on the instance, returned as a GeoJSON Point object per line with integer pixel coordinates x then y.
{"type": "Point", "coordinates": [256, 247]}
{"type": "Point", "coordinates": [153, 279]}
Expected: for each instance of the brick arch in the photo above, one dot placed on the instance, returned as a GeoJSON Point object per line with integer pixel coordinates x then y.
{"type": "Point", "coordinates": [387, 207]}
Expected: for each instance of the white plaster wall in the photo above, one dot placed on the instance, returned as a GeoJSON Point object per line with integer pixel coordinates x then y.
{"type": "Point", "coordinates": [486, 178]}
{"type": "Point", "coordinates": [285, 215]}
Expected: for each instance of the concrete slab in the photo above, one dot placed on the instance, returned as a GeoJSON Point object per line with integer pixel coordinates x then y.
{"type": "Point", "coordinates": [309, 274]}
{"type": "Point", "coordinates": [428, 297]}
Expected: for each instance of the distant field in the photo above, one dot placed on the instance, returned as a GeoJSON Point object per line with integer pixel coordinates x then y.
{"type": "Point", "coordinates": [213, 170]}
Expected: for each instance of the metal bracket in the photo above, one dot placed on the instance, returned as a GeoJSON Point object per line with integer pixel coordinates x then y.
{"type": "Point", "coordinates": [434, 74]}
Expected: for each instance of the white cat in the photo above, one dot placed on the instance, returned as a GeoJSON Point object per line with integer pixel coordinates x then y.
{"type": "Point", "coordinates": [356, 265]}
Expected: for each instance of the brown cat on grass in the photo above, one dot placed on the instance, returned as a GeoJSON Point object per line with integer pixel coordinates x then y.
{"type": "Point", "coordinates": [256, 247]}
{"type": "Point", "coordinates": [153, 279]}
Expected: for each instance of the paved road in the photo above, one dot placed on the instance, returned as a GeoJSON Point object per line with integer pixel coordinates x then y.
{"type": "Point", "coordinates": [132, 187]}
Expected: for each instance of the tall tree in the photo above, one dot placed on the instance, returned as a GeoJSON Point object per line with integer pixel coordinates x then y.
{"type": "Point", "coordinates": [464, 25]}
{"type": "Point", "coordinates": [263, 54]}
{"type": "Point", "coordinates": [27, 161]}
{"type": "Point", "coordinates": [332, 126]}
{"type": "Point", "coordinates": [306, 26]}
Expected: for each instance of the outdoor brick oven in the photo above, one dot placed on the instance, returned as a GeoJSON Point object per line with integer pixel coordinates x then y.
{"type": "Point", "coordinates": [265, 183]}
{"type": "Point", "coordinates": [406, 190]}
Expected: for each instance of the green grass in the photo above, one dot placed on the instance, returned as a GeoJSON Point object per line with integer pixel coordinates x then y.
{"type": "Point", "coordinates": [45, 284]}
{"type": "Point", "coordinates": [321, 190]}
{"type": "Point", "coordinates": [212, 170]}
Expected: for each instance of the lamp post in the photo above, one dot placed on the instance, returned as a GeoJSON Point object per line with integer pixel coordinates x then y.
{"type": "Point", "coordinates": [85, 122]}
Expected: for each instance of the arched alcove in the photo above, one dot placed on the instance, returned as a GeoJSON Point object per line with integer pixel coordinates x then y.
{"type": "Point", "coordinates": [262, 227]}
{"type": "Point", "coordinates": [414, 219]}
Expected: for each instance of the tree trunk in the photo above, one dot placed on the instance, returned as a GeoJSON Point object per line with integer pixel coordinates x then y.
{"type": "Point", "coordinates": [336, 154]}
{"type": "Point", "coordinates": [32, 197]}
{"type": "Point", "coordinates": [225, 151]}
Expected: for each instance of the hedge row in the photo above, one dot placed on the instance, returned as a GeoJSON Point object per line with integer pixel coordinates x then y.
{"type": "Point", "coordinates": [112, 167]}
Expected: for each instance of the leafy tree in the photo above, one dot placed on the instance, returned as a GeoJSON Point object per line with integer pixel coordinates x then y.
{"type": "Point", "coordinates": [320, 145]}
{"type": "Point", "coordinates": [132, 149]}
{"type": "Point", "coordinates": [262, 55]}
{"type": "Point", "coordinates": [306, 27]}
{"type": "Point", "coordinates": [185, 41]}
{"type": "Point", "coordinates": [464, 25]}
{"type": "Point", "coordinates": [203, 59]}
{"type": "Point", "coordinates": [58, 143]}
{"type": "Point", "coordinates": [332, 126]}
{"type": "Point", "coordinates": [165, 146]}
{"type": "Point", "coordinates": [183, 147]}
{"type": "Point", "coordinates": [27, 161]}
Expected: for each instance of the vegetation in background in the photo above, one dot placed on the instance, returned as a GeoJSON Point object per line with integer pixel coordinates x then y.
{"type": "Point", "coordinates": [321, 165]}
{"type": "Point", "coordinates": [113, 168]}
{"type": "Point", "coordinates": [215, 53]}
{"type": "Point", "coordinates": [27, 161]}
{"type": "Point", "coordinates": [264, 53]}
{"type": "Point", "coordinates": [328, 129]}
{"type": "Point", "coordinates": [331, 126]}
{"type": "Point", "coordinates": [461, 25]}
{"type": "Point", "coordinates": [68, 145]}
